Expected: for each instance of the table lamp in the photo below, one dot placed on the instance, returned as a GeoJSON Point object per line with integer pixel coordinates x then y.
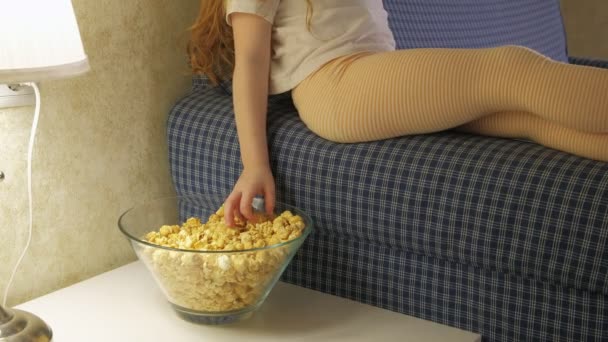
{"type": "Point", "coordinates": [39, 40]}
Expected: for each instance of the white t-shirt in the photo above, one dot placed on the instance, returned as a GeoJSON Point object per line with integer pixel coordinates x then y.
{"type": "Point", "coordinates": [338, 28]}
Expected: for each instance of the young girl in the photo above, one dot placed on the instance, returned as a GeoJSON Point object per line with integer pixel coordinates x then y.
{"type": "Point", "coordinates": [338, 59]}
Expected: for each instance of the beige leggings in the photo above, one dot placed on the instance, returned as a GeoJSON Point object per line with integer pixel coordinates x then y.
{"type": "Point", "coordinates": [507, 91]}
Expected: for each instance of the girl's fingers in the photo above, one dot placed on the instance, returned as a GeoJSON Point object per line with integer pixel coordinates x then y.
{"type": "Point", "coordinates": [231, 208]}
{"type": "Point", "coordinates": [269, 198]}
{"type": "Point", "coordinates": [246, 205]}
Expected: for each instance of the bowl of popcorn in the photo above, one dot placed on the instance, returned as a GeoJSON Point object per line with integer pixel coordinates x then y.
{"type": "Point", "coordinates": [211, 273]}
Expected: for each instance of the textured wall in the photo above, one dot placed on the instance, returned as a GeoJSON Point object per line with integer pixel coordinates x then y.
{"type": "Point", "coordinates": [587, 27]}
{"type": "Point", "coordinates": [100, 146]}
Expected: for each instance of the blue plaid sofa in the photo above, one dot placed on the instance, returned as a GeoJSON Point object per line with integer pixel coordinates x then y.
{"type": "Point", "coordinates": [502, 237]}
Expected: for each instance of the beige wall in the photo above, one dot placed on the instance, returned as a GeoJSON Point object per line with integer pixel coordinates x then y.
{"type": "Point", "coordinates": [100, 146]}
{"type": "Point", "coordinates": [587, 27]}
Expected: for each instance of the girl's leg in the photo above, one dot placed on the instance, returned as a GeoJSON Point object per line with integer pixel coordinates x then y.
{"type": "Point", "coordinates": [382, 95]}
{"type": "Point", "coordinates": [521, 125]}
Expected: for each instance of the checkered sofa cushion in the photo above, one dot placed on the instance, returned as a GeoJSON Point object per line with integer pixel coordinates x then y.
{"type": "Point", "coordinates": [497, 236]}
{"type": "Point", "coordinates": [505, 209]}
{"type": "Point", "coordinates": [536, 24]}
{"type": "Point", "coordinates": [500, 204]}
{"type": "Point", "coordinates": [502, 307]}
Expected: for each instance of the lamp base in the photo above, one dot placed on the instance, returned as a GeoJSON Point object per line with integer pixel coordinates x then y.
{"type": "Point", "coordinates": [22, 326]}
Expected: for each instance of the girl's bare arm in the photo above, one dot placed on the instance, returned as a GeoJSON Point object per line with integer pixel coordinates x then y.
{"type": "Point", "coordinates": [252, 36]}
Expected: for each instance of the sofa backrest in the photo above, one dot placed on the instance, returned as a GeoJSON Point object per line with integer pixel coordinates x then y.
{"type": "Point", "coordinates": [536, 24]}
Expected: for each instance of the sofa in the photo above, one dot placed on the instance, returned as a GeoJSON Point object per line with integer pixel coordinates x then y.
{"type": "Point", "coordinates": [501, 237]}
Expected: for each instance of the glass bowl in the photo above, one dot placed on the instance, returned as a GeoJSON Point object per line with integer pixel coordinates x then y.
{"type": "Point", "coordinates": [207, 287]}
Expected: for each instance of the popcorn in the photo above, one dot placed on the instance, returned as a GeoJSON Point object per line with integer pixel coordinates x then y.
{"type": "Point", "coordinates": [224, 262]}
{"type": "Point", "coordinates": [215, 282]}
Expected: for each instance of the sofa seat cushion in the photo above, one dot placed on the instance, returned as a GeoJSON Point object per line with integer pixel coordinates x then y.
{"type": "Point", "coordinates": [536, 24]}
{"type": "Point", "coordinates": [505, 205]}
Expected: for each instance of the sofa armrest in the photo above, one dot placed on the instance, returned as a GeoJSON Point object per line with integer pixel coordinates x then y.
{"type": "Point", "coordinates": [588, 61]}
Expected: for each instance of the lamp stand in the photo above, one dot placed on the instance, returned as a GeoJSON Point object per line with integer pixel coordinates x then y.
{"type": "Point", "coordinates": [22, 326]}
{"type": "Point", "coordinates": [49, 48]}
{"type": "Point", "coordinates": [18, 325]}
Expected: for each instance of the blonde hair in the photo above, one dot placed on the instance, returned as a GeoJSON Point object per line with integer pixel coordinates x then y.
{"type": "Point", "coordinates": [210, 48]}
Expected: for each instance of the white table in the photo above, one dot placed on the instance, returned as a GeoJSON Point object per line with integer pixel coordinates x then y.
{"type": "Point", "coordinates": [126, 305]}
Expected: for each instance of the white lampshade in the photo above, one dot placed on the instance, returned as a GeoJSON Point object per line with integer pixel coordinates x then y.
{"type": "Point", "coordinates": [39, 40]}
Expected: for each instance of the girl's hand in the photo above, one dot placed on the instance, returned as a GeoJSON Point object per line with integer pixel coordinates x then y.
{"type": "Point", "coordinates": [252, 182]}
